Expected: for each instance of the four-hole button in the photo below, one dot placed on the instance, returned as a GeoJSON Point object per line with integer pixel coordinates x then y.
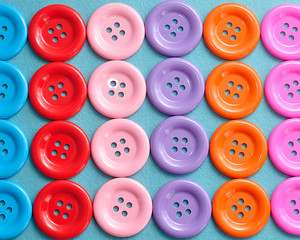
{"type": "Point", "coordinates": [185, 211]}
{"type": "Point", "coordinates": [280, 31]}
{"type": "Point", "coordinates": [122, 207]}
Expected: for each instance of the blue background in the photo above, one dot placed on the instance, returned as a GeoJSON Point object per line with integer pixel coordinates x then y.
{"type": "Point", "coordinates": [151, 176]}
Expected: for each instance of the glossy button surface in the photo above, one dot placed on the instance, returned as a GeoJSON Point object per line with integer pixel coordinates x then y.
{"type": "Point", "coordinates": [13, 89]}
{"type": "Point", "coordinates": [231, 31]}
{"type": "Point", "coordinates": [241, 208]}
{"type": "Point", "coordinates": [58, 91]}
{"type": "Point", "coordinates": [285, 205]}
{"type": "Point", "coordinates": [181, 208]}
{"type": "Point", "coordinates": [122, 207]}
{"type": "Point", "coordinates": [62, 209]}
{"type": "Point", "coordinates": [233, 90]}
{"type": "Point", "coordinates": [173, 28]}
{"type": "Point", "coordinates": [15, 210]}
{"type": "Point", "coordinates": [238, 149]}
{"type": "Point", "coordinates": [13, 31]}
{"type": "Point", "coordinates": [179, 145]}
{"type": "Point", "coordinates": [117, 89]}
{"type": "Point", "coordinates": [284, 146]}
{"type": "Point", "coordinates": [115, 31]}
{"type": "Point", "coordinates": [280, 31]}
{"type": "Point", "coordinates": [13, 149]}
{"type": "Point", "coordinates": [60, 149]}
{"type": "Point", "coordinates": [175, 86]}
{"type": "Point", "coordinates": [57, 32]}
{"type": "Point", "coordinates": [282, 89]}
{"type": "Point", "coordinates": [120, 147]}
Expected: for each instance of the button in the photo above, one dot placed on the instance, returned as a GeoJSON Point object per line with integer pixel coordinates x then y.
{"type": "Point", "coordinates": [282, 89]}
{"type": "Point", "coordinates": [179, 145]}
{"type": "Point", "coordinates": [173, 28]}
{"type": "Point", "coordinates": [122, 207]}
{"type": "Point", "coordinates": [62, 209]}
{"type": "Point", "coordinates": [280, 30]}
{"type": "Point", "coordinates": [120, 147]}
{"type": "Point", "coordinates": [115, 31]}
{"type": "Point", "coordinates": [241, 208]}
{"type": "Point", "coordinates": [233, 90]}
{"type": "Point", "coordinates": [175, 86]}
{"type": "Point", "coordinates": [60, 149]}
{"type": "Point", "coordinates": [181, 208]}
{"type": "Point", "coordinates": [13, 31]}
{"type": "Point", "coordinates": [117, 89]}
{"type": "Point", "coordinates": [285, 205]}
{"type": "Point", "coordinates": [15, 210]}
{"type": "Point", "coordinates": [13, 149]}
{"type": "Point", "coordinates": [238, 149]}
{"type": "Point", "coordinates": [231, 31]}
{"type": "Point", "coordinates": [284, 147]}
{"type": "Point", "coordinates": [57, 91]}
{"type": "Point", "coordinates": [57, 33]}
{"type": "Point", "coordinates": [13, 89]}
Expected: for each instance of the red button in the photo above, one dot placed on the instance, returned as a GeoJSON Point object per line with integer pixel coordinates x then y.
{"type": "Point", "coordinates": [62, 209]}
{"type": "Point", "coordinates": [60, 149]}
{"type": "Point", "coordinates": [57, 32]}
{"type": "Point", "coordinates": [58, 91]}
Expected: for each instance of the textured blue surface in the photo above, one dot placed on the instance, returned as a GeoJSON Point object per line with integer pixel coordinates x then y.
{"type": "Point", "coordinates": [151, 176]}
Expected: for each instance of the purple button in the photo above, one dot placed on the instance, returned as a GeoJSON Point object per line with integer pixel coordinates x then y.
{"type": "Point", "coordinates": [175, 86]}
{"type": "Point", "coordinates": [181, 208]}
{"type": "Point", "coordinates": [179, 145]}
{"type": "Point", "coordinates": [173, 28]}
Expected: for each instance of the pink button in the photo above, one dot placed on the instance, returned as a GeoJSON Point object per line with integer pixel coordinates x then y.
{"type": "Point", "coordinates": [117, 89]}
{"type": "Point", "coordinates": [115, 31]}
{"type": "Point", "coordinates": [282, 89]}
{"type": "Point", "coordinates": [122, 207]}
{"type": "Point", "coordinates": [285, 205]}
{"type": "Point", "coordinates": [280, 32]}
{"type": "Point", "coordinates": [284, 147]}
{"type": "Point", "coordinates": [120, 147]}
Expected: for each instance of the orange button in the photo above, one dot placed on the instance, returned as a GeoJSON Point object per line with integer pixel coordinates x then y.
{"type": "Point", "coordinates": [231, 31]}
{"type": "Point", "coordinates": [233, 90]}
{"type": "Point", "coordinates": [241, 208]}
{"type": "Point", "coordinates": [238, 149]}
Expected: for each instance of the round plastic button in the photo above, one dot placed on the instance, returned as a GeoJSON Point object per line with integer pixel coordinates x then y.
{"type": "Point", "coordinates": [13, 149]}
{"type": "Point", "coordinates": [285, 205]}
{"type": "Point", "coordinates": [179, 145]}
{"type": "Point", "coordinates": [238, 149]}
{"type": "Point", "coordinates": [62, 209]}
{"type": "Point", "coordinates": [173, 28]}
{"type": "Point", "coordinates": [120, 147]}
{"type": "Point", "coordinates": [122, 207]}
{"type": "Point", "coordinates": [231, 31]}
{"type": "Point", "coordinates": [241, 208]}
{"type": "Point", "coordinates": [13, 89]}
{"type": "Point", "coordinates": [280, 31]}
{"type": "Point", "coordinates": [57, 33]}
{"type": "Point", "coordinates": [13, 31]}
{"type": "Point", "coordinates": [181, 208]}
{"type": "Point", "coordinates": [15, 210]}
{"type": "Point", "coordinates": [175, 86]}
{"type": "Point", "coordinates": [115, 31]}
{"type": "Point", "coordinates": [284, 147]}
{"type": "Point", "coordinates": [117, 89]}
{"type": "Point", "coordinates": [60, 149]}
{"type": "Point", "coordinates": [233, 90]}
{"type": "Point", "coordinates": [58, 91]}
{"type": "Point", "coordinates": [282, 89]}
